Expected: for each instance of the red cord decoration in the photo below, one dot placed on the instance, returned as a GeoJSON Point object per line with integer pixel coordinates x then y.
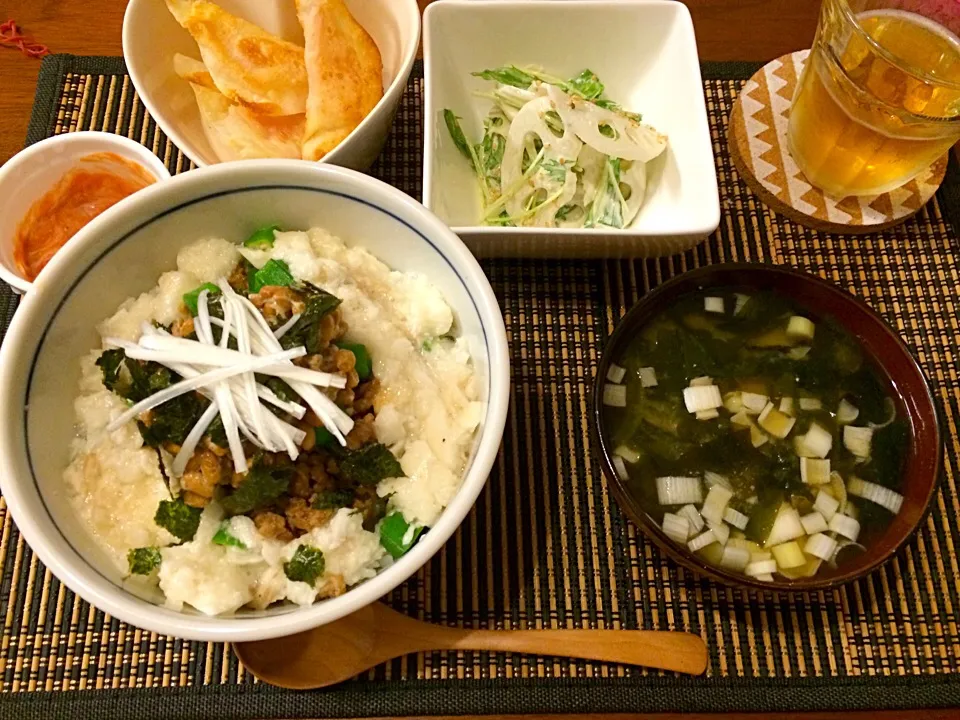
{"type": "Point", "coordinates": [10, 36]}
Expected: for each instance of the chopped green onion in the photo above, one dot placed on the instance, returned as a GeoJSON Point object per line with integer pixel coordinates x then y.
{"type": "Point", "coordinates": [191, 298]}
{"type": "Point", "coordinates": [224, 537]}
{"type": "Point", "coordinates": [628, 454]}
{"type": "Point", "coordinates": [324, 438]}
{"type": "Point", "coordinates": [397, 536]}
{"type": "Point", "coordinates": [262, 238]}
{"type": "Point", "coordinates": [364, 365]}
{"type": "Point", "coordinates": [274, 272]}
{"type": "Point", "coordinates": [810, 404]}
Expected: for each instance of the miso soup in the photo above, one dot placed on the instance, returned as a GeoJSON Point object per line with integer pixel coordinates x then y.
{"type": "Point", "coordinates": [758, 435]}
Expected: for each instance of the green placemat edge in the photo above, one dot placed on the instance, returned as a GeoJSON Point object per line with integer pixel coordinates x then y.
{"type": "Point", "coordinates": [480, 697]}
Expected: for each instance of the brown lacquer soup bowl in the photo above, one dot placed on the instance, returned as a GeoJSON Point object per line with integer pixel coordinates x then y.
{"type": "Point", "coordinates": [883, 354]}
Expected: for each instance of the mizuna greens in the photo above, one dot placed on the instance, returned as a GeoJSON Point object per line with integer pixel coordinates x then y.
{"type": "Point", "coordinates": [557, 153]}
{"type": "Point", "coordinates": [755, 434]}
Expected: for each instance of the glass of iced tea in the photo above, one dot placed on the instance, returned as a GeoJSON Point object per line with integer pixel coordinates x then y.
{"type": "Point", "coordinates": [879, 98]}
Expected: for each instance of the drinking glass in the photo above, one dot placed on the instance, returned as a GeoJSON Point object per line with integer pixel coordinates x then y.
{"type": "Point", "coordinates": [879, 98]}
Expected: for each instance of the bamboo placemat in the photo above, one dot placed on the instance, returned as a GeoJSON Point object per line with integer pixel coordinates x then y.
{"type": "Point", "coordinates": [545, 545]}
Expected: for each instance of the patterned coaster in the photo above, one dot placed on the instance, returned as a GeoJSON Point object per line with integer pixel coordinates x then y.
{"type": "Point", "coordinates": [757, 136]}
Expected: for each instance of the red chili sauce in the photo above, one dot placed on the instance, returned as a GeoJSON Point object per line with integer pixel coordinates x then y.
{"type": "Point", "coordinates": [100, 181]}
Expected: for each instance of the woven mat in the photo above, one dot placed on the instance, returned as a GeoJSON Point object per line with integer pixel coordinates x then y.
{"type": "Point", "coordinates": [545, 545]}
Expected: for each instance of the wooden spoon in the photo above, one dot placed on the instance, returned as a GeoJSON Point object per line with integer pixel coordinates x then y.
{"type": "Point", "coordinates": [336, 652]}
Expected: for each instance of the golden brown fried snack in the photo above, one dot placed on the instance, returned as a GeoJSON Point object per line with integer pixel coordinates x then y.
{"type": "Point", "coordinates": [344, 71]}
{"type": "Point", "coordinates": [247, 64]}
{"type": "Point", "coordinates": [234, 131]}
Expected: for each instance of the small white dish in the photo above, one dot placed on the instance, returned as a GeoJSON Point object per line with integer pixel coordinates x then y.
{"type": "Point", "coordinates": [644, 51]}
{"type": "Point", "coordinates": [120, 254]}
{"type": "Point", "coordinates": [151, 37]}
{"type": "Point", "coordinates": [29, 174]}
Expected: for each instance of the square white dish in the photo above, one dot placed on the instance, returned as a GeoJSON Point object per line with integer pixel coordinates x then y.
{"type": "Point", "coordinates": [645, 53]}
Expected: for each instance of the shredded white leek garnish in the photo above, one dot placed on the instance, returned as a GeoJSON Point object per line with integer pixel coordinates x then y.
{"type": "Point", "coordinates": [227, 378]}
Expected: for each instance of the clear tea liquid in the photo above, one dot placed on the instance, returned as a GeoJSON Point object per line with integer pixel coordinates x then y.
{"type": "Point", "coordinates": [876, 105]}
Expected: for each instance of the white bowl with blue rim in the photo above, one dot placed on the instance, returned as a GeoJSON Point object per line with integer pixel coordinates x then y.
{"type": "Point", "coordinates": [121, 254]}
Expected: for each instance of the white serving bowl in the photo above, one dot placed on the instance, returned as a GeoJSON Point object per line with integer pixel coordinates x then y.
{"type": "Point", "coordinates": [645, 53]}
{"type": "Point", "coordinates": [151, 37]}
{"type": "Point", "coordinates": [121, 254]}
{"type": "Point", "coordinates": [29, 174]}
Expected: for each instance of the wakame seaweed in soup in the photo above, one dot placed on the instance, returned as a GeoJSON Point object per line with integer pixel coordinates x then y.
{"type": "Point", "coordinates": [756, 433]}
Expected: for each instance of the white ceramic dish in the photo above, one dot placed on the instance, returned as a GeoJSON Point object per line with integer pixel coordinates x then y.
{"type": "Point", "coordinates": [122, 253]}
{"type": "Point", "coordinates": [645, 53]}
{"type": "Point", "coordinates": [151, 37]}
{"type": "Point", "coordinates": [29, 174]}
